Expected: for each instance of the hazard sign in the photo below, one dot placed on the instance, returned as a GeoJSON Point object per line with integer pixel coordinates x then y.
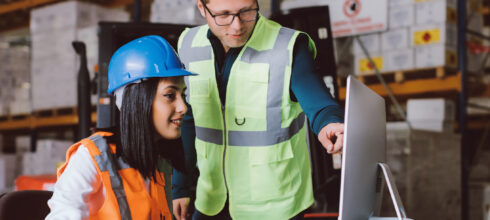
{"type": "Point", "coordinates": [351, 8]}
{"type": "Point", "coordinates": [349, 17]}
{"type": "Point", "coordinates": [353, 17]}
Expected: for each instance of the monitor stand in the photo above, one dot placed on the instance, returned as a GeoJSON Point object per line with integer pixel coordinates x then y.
{"type": "Point", "coordinates": [395, 196]}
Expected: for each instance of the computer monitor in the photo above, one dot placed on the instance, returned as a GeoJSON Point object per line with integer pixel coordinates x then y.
{"type": "Point", "coordinates": [364, 147]}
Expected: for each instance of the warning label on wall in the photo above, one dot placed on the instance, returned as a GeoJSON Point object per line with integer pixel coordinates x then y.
{"type": "Point", "coordinates": [349, 17]}
{"type": "Point", "coordinates": [353, 17]}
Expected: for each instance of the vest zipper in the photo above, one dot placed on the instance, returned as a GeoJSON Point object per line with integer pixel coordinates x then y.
{"type": "Point", "coordinates": [224, 145]}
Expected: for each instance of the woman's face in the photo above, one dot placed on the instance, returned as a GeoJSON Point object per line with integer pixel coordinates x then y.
{"type": "Point", "coordinates": [169, 107]}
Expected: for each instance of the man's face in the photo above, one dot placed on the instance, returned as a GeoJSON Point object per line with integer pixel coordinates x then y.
{"type": "Point", "coordinates": [235, 34]}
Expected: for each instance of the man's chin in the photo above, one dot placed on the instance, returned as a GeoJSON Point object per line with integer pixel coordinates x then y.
{"type": "Point", "coordinates": [236, 44]}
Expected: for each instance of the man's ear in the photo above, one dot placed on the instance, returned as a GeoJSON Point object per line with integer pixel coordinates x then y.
{"type": "Point", "coordinates": [201, 8]}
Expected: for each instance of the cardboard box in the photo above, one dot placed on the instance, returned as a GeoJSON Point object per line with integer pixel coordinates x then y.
{"type": "Point", "coordinates": [396, 3]}
{"type": "Point", "coordinates": [72, 14]}
{"type": "Point", "coordinates": [402, 59]}
{"type": "Point", "coordinates": [475, 63]}
{"type": "Point", "coordinates": [395, 39]}
{"type": "Point", "coordinates": [176, 11]}
{"type": "Point", "coordinates": [363, 66]}
{"type": "Point", "coordinates": [434, 34]}
{"type": "Point", "coordinates": [435, 55]}
{"type": "Point", "coordinates": [22, 144]}
{"type": "Point", "coordinates": [372, 42]}
{"type": "Point", "coordinates": [20, 107]}
{"type": "Point", "coordinates": [9, 167]}
{"type": "Point", "coordinates": [401, 16]}
{"type": "Point", "coordinates": [61, 15]}
{"type": "Point", "coordinates": [431, 109]}
{"type": "Point", "coordinates": [435, 12]}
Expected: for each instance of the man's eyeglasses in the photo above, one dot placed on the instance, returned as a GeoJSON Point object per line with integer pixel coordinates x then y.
{"type": "Point", "coordinates": [227, 19]}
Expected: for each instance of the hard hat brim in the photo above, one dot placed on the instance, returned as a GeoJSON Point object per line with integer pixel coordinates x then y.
{"type": "Point", "coordinates": [168, 73]}
{"type": "Point", "coordinates": [178, 72]}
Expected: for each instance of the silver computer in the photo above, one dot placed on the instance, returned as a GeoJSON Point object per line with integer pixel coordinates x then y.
{"type": "Point", "coordinates": [364, 147]}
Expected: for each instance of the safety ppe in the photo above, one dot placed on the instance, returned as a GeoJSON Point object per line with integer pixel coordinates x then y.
{"type": "Point", "coordinates": [145, 57]}
{"type": "Point", "coordinates": [133, 201]}
{"type": "Point", "coordinates": [251, 150]}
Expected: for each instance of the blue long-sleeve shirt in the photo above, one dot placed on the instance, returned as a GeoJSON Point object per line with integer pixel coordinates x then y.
{"type": "Point", "coordinates": [307, 88]}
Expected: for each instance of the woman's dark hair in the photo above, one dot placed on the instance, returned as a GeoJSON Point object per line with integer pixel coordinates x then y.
{"type": "Point", "coordinates": [135, 136]}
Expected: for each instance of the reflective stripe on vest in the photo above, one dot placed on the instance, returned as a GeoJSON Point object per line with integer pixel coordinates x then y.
{"type": "Point", "coordinates": [274, 133]}
{"type": "Point", "coordinates": [107, 162]}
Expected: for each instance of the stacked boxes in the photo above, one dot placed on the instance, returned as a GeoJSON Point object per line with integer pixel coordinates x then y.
{"type": "Point", "coordinates": [396, 47]}
{"type": "Point", "coordinates": [427, 170]}
{"type": "Point", "coordinates": [54, 63]}
{"type": "Point", "coordinates": [14, 78]}
{"type": "Point", "coordinates": [49, 154]}
{"type": "Point", "coordinates": [421, 34]}
{"type": "Point", "coordinates": [393, 52]}
{"type": "Point", "coordinates": [434, 35]}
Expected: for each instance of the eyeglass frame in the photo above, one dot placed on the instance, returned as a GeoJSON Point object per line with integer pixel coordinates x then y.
{"type": "Point", "coordinates": [234, 15]}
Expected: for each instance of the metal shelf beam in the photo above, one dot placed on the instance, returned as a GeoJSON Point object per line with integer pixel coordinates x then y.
{"type": "Point", "coordinates": [31, 122]}
{"type": "Point", "coordinates": [414, 87]}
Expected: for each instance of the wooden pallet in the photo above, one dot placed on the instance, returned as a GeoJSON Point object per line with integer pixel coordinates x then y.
{"type": "Point", "coordinates": [67, 116]}
{"type": "Point", "coordinates": [55, 112]}
{"type": "Point", "coordinates": [15, 117]}
{"type": "Point", "coordinates": [405, 75]}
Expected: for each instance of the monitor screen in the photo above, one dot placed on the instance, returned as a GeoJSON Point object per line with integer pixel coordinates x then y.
{"type": "Point", "coordinates": [364, 147]}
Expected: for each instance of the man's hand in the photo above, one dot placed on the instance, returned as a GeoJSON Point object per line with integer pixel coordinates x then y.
{"type": "Point", "coordinates": [180, 206]}
{"type": "Point", "coordinates": [327, 135]}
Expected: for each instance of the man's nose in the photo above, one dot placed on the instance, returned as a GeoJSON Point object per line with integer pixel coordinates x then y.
{"type": "Point", "coordinates": [236, 23]}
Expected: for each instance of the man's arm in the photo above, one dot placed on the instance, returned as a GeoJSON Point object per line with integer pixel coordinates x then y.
{"type": "Point", "coordinates": [183, 182]}
{"type": "Point", "coordinates": [325, 115]}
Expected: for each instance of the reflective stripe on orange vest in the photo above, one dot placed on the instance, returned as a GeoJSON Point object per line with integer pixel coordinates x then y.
{"type": "Point", "coordinates": [126, 196]}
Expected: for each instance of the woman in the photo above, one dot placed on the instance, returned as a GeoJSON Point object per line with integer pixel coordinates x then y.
{"type": "Point", "coordinates": [124, 173]}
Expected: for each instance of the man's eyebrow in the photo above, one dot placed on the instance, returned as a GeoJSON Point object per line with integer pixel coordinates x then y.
{"type": "Point", "coordinates": [228, 11]}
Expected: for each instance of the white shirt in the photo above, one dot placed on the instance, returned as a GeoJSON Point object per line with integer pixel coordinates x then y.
{"type": "Point", "coordinates": [78, 184]}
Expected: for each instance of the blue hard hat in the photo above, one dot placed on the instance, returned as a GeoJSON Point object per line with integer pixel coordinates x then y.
{"type": "Point", "coordinates": [145, 57]}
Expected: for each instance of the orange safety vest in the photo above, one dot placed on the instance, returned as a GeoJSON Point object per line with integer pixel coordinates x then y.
{"type": "Point", "coordinates": [126, 196]}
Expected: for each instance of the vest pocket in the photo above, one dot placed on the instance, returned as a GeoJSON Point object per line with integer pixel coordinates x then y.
{"type": "Point", "coordinates": [248, 109]}
{"type": "Point", "coordinates": [199, 88]}
{"type": "Point", "coordinates": [271, 171]}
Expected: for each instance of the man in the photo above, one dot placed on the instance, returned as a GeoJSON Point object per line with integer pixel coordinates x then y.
{"type": "Point", "coordinates": [246, 115]}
